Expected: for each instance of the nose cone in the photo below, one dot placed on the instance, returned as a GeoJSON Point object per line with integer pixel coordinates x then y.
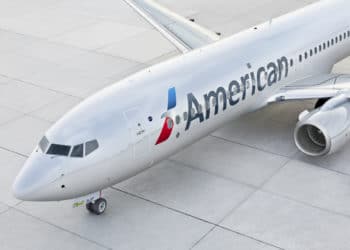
{"type": "Point", "coordinates": [37, 174]}
{"type": "Point", "coordinates": [19, 190]}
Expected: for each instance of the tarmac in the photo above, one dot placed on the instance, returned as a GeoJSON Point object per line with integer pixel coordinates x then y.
{"type": "Point", "coordinates": [245, 186]}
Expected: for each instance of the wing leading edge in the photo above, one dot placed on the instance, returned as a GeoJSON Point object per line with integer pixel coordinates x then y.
{"type": "Point", "coordinates": [183, 33]}
{"type": "Point", "coordinates": [316, 87]}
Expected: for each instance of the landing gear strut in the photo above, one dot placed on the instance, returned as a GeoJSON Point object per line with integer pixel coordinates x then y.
{"type": "Point", "coordinates": [97, 207]}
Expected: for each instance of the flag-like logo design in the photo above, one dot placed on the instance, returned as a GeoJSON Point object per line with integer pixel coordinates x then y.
{"type": "Point", "coordinates": [168, 122]}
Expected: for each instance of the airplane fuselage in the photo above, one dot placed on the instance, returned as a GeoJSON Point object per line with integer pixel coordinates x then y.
{"type": "Point", "coordinates": [153, 114]}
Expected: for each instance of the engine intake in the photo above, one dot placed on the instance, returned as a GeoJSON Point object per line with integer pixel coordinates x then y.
{"type": "Point", "coordinates": [311, 140]}
{"type": "Point", "coordinates": [324, 130]}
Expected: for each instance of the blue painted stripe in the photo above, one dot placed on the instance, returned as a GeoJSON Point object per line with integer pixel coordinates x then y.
{"type": "Point", "coordinates": [171, 98]}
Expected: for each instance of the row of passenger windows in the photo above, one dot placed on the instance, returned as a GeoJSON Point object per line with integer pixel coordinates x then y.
{"type": "Point", "coordinates": [324, 46]}
{"type": "Point", "coordinates": [79, 150]}
{"type": "Point", "coordinates": [305, 56]}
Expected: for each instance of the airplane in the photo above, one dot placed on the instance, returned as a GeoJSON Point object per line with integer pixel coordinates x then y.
{"type": "Point", "coordinates": [143, 119]}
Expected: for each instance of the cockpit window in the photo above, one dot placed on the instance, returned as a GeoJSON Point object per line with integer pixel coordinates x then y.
{"type": "Point", "coordinates": [43, 144]}
{"type": "Point", "coordinates": [90, 146]}
{"type": "Point", "coordinates": [56, 149]}
{"type": "Point", "coordinates": [78, 151]}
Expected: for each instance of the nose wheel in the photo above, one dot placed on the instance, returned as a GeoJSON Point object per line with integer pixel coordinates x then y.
{"type": "Point", "coordinates": [98, 207]}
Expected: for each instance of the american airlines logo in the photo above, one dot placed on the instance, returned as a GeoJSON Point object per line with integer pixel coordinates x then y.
{"type": "Point", "coordinates": [235, 92]}
{"type": "Point", "coordinates": [168, 122]}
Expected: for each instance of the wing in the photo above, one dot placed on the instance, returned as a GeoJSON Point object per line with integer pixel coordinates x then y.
{"type": "Point", "coordinates": [184, 34]}
{"type": "Point", "coordinates": [316, 87]}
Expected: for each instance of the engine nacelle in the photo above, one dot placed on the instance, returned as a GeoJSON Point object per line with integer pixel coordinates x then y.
{"type": "Point", "coordinates": [324, 130]}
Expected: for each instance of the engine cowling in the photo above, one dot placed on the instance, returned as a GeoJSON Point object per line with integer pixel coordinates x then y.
{"type": "Point", "coordinates": [325, 130]}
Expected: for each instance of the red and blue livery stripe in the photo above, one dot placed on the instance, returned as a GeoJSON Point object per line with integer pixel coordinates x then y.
{"type": "Point", "coordinates": [168, 122]}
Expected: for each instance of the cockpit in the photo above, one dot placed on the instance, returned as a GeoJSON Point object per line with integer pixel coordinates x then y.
{"type": "Point", "coordinates": [76, 151]}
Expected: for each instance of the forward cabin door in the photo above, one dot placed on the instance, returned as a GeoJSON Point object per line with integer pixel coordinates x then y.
{"type": "Point", "coordinates": [138, 131]}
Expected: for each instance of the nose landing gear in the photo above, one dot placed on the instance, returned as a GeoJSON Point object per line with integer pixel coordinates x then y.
{"type": "Point", "coordinates": [94, 203]}
{"type": "Point", "coordinates": [97, 207]}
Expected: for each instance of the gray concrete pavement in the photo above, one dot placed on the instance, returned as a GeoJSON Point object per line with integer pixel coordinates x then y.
{"type": "Point", "coordinates": [244, 187]}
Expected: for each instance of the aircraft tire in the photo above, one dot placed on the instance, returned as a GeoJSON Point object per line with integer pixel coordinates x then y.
{"type": "Point", "coordinates": [98, 207]}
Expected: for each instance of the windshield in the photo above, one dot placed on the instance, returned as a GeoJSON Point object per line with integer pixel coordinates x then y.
{"type": "Point", "coordinates": [78, 151]}
{"type": "Point", "coordinates": [62, 150]}
{"type": "Point", "coordinates": [91, 146]}
{"type": "Point", "coordinates": [43, 144]}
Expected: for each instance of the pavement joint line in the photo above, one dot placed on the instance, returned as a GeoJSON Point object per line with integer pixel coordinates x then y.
{"type": "Point", "coordinates": [32, 113]}
{"type": "Point", "coordinates": [15, 152]}
{"type": "Point", "coordinates": [332, 170]}
{"type": "Point", "coordinates": [213, 174]}
{"type": "Point", "coordinates": [217, 225]}
{"type": "Point", "coordinates": [295, 158]}
{"type": "Point", "coordinates": [275, 173]}
{"type": "Point", "coordinates": [164, 57]}
{"type": "Point", "coordinates": [202, 238]}
{"type": "Point", "coordinates": [5, 211]}
{"type": "Point", "coordinates": [96, 51]}
{"type": "Point", "coordinates": [6, 208]}
{"type": "Point", "coordinates": [326, 210]}
{"type": "Point", "coordinates": [136, 68]}
{"type": "Point", "coordinates": [248, 146]}
{"type": "Point", "coordinates": [39, 86]}
{"type": "Point", "coordinates": [61, 228]}
{"type": "Point", "coordinates": [243, 201]}
{"type": "Point", "coordinates": [245, 13]}
{"type": "Point", "coordinates": [41, 118]}
{"type": "Point", "coordinates": [50, 41]}
{"type": "Point", "coordinates": [251, 237]}
{"type": "Point", "coordinates": [256, 190]}
{"type": "Point", "coordinates": [11, 108]}
{"type": "Point", "coordinates": [49, 103]}
{"type": "Point", "coordinates": [249, 196]}
{"type": "Point", "coordinates": [129, 37]}
{"type": "Point", "coordinates": [22, 115]}
{"type": "Point", "coordinates": [94, 21]}
{"type": "Point", "coordinates": [191, 216]}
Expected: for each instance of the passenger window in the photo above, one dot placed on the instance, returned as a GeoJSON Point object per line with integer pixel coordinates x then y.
{"type": "Point", "coordinates": [336, 40]}
{"type": "Point", "coordinates": [349, 33]}
{"type": "Point", "coordinates": [305, 55]}
{"type": "Point", "coordinates": [91, 146]}
{"type": "Point", "coordinates": [344, 35]}
{"type": "Point", "coordinates": [310, 52]}
{"type": "Point", "coordinates": [324, 46]}
{"type": "Point", "coordinates": [178, 119]}
{"type": "Point", "coordinates": [332, 42]}
{"type": "Point", "coordinates": [300, 58]}
{"type": "Point", "coordinates": [61, 150]}
{"type": "Point", "coordinates": [170, 124]}
{"type": "Point", "coordinates": [328, 44]}
{"type": "Point", "coordinates": [340, 38]}
{"type": "Point", "coordinates": [78, 151]}
{"type": "Point", "coordinates": [320, 48]}
{"type": "Point", "coordinates": [291, 62]}
{"type": "Point", "coordinates": [315, 50]}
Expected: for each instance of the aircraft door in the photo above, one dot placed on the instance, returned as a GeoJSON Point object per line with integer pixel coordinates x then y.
{"type": "Point", "coordinates": [138, 131]}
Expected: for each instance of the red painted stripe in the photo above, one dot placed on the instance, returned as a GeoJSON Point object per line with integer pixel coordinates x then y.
{"type": "Point", "coordinates": [166, 131]}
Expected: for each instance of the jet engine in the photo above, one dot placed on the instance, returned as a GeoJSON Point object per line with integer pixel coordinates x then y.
{"type": "Point", "coordinates": [324, 130]}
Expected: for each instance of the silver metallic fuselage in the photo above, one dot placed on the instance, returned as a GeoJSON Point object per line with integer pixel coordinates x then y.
{"type": "Point", "coordinates": [118, 116]}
